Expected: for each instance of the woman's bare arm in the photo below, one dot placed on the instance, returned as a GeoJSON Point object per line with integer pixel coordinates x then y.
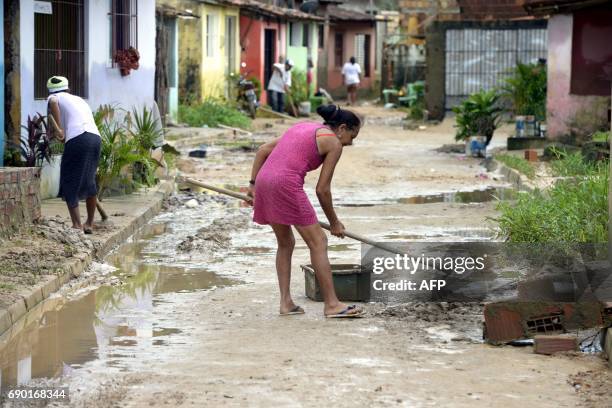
{"type": "Point", "coordinates": [54, 120]}
{"type": "Point", "coordinates": [333, 152]}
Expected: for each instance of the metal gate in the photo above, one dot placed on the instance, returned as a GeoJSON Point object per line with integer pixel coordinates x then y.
{"type": "Point", "coordinates": [480, 58]}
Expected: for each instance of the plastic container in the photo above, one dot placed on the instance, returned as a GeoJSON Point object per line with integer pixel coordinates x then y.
{"type": "Point", "coordinates": [304, 108]}
{"type": "Point", "coordinates": [520, 126]}
{"type": "Point", "coordinates": [351, 283]}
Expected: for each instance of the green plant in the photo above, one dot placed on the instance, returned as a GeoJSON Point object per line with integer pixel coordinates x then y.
{"type": "Point", "coordinates": [478, 115]}
{"type": "Point", "coordinates": [213, 112]}
{"type": "Point", "coordinates": [35, 147]}
{"type": "Point", "coordinates": [147, 134]}
{"type": "Point", "coordinates": [299, 86]}
{"type": "Point", "coordinates": [601, 136]}
{"type": "Point", "coordinates": [573, 164]}
{"type": "Point", "coordinates": [571, 211]}
{"type": "Point", "coordinates": [526, 90]}
{"type": "Point", "coordinates": [517, 163]}
{"type": "Point", "coordinates": [417, 104]}
{"type": "Point", "coordinates": [117, 149]}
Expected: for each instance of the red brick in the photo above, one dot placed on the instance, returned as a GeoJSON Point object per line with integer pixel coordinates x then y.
{"type": "Point", "coordinates": [554, 344]}
{"type": "Point", "coordinates": [531, 155]}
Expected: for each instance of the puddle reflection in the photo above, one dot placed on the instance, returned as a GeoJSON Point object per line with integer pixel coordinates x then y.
{"type": "Point", "coordinates": [62, 335]}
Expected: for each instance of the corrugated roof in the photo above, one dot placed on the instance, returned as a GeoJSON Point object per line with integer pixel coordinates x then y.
{"type": "Point", "coordinates": [492, 9]}
{"type": "Point", "coordinates": [548, 7]}
{"type": "Point", "coordinates": [342, 14]}
{"type": "Point", "coordinates": [271, 10]}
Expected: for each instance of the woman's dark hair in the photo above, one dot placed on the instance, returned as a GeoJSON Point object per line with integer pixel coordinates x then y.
{"type": "Point", "coordinates": [334, 116]}
{"type": "Point", "coordinates": [353, 60]}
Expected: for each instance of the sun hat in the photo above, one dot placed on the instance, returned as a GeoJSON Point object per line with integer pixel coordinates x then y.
{"type": "Point", "coordinates": [57, 83]}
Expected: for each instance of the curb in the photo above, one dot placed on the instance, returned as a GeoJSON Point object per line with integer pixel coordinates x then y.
{"type": "Point", "coordinates": [75, 266]}
{"type": "Point", "coordinates": [518, 180]}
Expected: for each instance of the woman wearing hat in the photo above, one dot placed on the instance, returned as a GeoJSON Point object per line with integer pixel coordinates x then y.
{"type": "Point", "coordinates": [74, 123]}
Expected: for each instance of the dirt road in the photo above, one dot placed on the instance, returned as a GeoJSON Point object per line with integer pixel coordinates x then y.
{"type": "Point", "coordinates": [232, 349]}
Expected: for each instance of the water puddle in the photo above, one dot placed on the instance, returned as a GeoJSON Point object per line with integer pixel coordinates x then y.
{"type": "Point", "coordinates": [353, 199]}
{"type": "Point", "coordinates": [112, 325]}
{"type": "Point", "coordinates": [463, 197]}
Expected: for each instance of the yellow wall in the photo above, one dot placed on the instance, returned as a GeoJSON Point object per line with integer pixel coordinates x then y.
{"type": "Point", "coordinates": [215, 68]}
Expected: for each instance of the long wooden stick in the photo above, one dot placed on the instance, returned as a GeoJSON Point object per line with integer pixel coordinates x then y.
{"type": "Point", "coordinates": [324, 225]}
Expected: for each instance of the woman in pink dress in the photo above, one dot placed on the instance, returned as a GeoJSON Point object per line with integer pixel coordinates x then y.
{"type": "Point", "coordinates": [277, 186]}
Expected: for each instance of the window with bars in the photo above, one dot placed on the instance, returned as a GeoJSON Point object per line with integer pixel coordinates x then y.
{"type": "Point", "coordinates": [321, 36]}
{"type": "Point", "coordinates": [123, 26]}
{"type": "Point", "coordinates": [339, 49]}
{"type": "Point", "coordinates": [306, 35]}
{"type": "Point", "coordinates": [59, 47]}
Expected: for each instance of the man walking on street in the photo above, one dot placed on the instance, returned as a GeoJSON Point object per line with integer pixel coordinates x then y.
{"type": "Point", "coordinates": [279, 84]}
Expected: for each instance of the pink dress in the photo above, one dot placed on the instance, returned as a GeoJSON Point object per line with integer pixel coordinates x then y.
{"type": "Point", "coordinates": [279, 187]}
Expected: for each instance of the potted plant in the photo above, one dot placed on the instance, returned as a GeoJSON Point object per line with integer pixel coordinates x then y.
{"type": "Point", "coordinates": [478, 117]}
{"type": "Point", "coordinates": [525, 90]}
{"type": "Point", "coordinates": [127, 60]}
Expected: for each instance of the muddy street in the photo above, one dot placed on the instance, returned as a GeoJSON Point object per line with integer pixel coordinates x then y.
{"type": "Point", "coordinates": [186, 312]}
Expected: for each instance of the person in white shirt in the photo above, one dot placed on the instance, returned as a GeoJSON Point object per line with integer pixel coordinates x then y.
{"type": "Point", "coordinates": [351, 72]}
{"type": "Point", "coordinates": [279, 84]}
{"type": "Point", "coordinates": [71, 120]}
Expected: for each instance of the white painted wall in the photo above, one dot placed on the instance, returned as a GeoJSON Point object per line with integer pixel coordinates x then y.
{"type": "Point", "coordinates": [105, 84]}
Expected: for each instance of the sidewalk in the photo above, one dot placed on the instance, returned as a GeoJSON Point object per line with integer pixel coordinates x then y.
{"type": "Point", "coordinates": [126, 215]}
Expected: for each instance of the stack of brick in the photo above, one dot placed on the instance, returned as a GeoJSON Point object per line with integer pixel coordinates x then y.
{"type": "Point", "coordinates": [19, 198]}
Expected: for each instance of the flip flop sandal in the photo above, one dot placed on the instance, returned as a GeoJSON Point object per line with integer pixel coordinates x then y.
{"type": "Point", "coordinates": [295, 311]}
{"type": "Point", "coordinates": [345, 313]}
{"type": "Point", "coordinates": [88, 230]}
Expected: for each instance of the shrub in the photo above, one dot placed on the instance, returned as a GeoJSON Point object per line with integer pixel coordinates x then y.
{"type": "Point", "coordinates": [573, 210]}
{"type": "Point", "coordinates": [478, 115]}
{"type": "Point", "coordinates": [299, 86]}
{"type": "Point", "coordinates": [213, 112]}
{"type": "Point", "coordinates": [526, 90]}
{"type": "Point", "coordinates": [573, 164]}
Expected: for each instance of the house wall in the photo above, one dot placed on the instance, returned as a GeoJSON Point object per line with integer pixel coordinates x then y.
{"type": "Point", "coordinates": [252, 35]}
{"type": "Point", "coordinates": [334, 73]}
{"type": "Point", "coordinates": [215, 67]}
{"type": "Point", "coordinates": [105, 85]}
{"type": "Point", "coordinates": [300, 54]}
{"type": "Point", "coordinates": [562, 106]}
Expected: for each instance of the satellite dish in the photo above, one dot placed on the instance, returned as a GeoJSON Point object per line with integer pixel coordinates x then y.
{"type": "Point", "coordinates": [309, 6]}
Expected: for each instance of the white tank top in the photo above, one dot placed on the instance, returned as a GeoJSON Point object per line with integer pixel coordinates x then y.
{"type": "Point", "coordinates": [77, 117]}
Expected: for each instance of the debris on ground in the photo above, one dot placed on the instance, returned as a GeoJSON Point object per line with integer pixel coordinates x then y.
{"type": "Point", "coordinates": [451, 148]}
{"type": "Point", "coordinates": [511, 320]}
{"type": "Point", "coordinates": [215, 236]}
{"type": "Point", "coordinates": [555, 344]}
{"type": "Point", "coordinates": [593, 387]}
{"type": "Point", "coordinates": [463, 318]}
{"type": "Point", "coordinates": [39, 250]}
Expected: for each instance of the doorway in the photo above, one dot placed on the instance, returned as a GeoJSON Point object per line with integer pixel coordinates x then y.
{"type": "Point", "coordinates": [269, 55]}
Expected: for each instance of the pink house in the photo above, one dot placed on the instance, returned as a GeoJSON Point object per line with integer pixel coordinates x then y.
{"type": "Point", "coordinates": [346, 34]}
{"type": "Point", "coordinates": [579, 61]}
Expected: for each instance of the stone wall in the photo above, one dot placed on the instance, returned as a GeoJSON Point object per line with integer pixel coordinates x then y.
{"type": "Point", "coordinates": [19, 197]}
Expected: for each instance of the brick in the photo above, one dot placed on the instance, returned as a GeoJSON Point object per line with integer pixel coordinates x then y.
{"type": "Point", "coordinates": [545, 344]}
{"type": "Point", "coordinates": [531, 155]}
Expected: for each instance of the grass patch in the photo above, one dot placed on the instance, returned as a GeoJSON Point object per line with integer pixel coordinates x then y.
{"type": "Point", "coordinates": [573, 164]}
{"type": "Point", "coordinates": [573, 210]}
{"type": "Point", "coordinates": [517, 163]}
{"type": "Point", "coordinates": [212, 113]}
{"type": "Point", "coordinates": [601, 136]}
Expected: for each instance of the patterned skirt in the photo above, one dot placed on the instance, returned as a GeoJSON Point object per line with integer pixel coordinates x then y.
{"type": "Point", "coordinates": [78, 168]}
